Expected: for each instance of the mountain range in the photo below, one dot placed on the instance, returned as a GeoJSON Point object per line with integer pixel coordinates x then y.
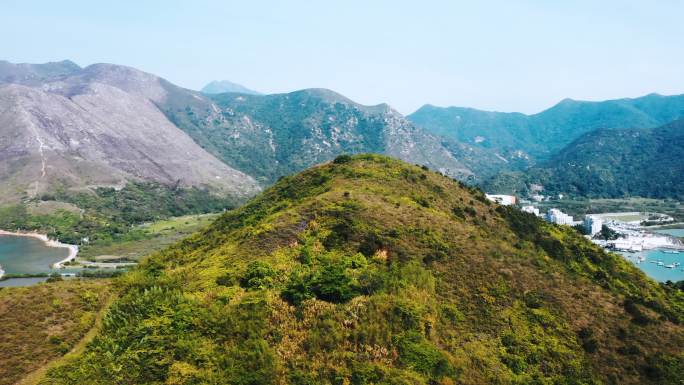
{"type": "Point", "coordinates": [541, 135]}
{"type": "Point", "coordinates": [612, 163]}
{"type": "Point", "coordinates": [71, 128]}
{"type": "Point", "coordinates": [77, 128]}
{"type": "Point", "coordinates": [268, 136]}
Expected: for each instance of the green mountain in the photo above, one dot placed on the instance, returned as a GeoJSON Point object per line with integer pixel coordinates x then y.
{"type": "Point", "coordinates": [542, 135]}
{"type": "Point", "coordinates": [223, 86]}
{"type": "Point", "coordinates": [609, 163]}
{"type": "Point", "coordinates": [268, 136]}
{"type": "Point", "coordinates": [367, 270]}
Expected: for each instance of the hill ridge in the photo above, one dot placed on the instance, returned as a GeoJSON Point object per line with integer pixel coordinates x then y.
{"type": "Point", "coordinates": [369, 270]}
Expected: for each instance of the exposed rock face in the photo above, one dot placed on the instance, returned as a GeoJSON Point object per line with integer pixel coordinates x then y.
{"type": "Point", "coordinates": [97, 126]}
{"type": "Point", "coordinates": [35, 74]}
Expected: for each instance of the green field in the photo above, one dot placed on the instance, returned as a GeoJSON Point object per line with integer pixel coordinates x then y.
{"type": "Point", "coordinates": [154, 236]}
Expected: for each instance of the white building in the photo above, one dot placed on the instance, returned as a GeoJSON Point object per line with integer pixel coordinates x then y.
{"type": "Point", "coordinates": [592, 224]}
{"type": "Point", "coordinates": [558, 217]}
{"type": "Point", "coordinates": [530, 209]}
{"type": "Point", "coordinates": [504, 200]}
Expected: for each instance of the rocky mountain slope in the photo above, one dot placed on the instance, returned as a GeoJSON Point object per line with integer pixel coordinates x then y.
{"type": "Point", "coordinates": [274, 135]}
{"type": "Point", "coordinates": [66, 127]}
{"type": "Point", "coordinates": [611, 164]}
{"type": "Point", "coordinates": [35, 74]}
{"type": "Point", "coordinates": [542, 135]}
{"type": "Point", "coordinates": [223, 86]}
{"type": "Point", "coordinates": [368, 270]}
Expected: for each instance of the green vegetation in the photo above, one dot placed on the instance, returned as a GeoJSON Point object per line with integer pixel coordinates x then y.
{"type": "Point", "coordinates": [609, 164]}
{"type": "Point", "coordinates": [150, 237]}
{"type": "Point", "coordinates": [544, 134]}
{"type": "Point", "coordinates": [607, 233]}
{"type": "Point", "coordinates": [43, 322]}
{"type": "Point", "coordinates": [111, 219]}
{"type": "Point", "coordinates": [372, 271]}
{"type": "Point", "coordinates": [269, 136]}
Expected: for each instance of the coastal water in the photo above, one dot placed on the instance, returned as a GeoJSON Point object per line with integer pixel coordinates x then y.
{"type": "Point", "coordinates": [672, 232]}
{"type": "Point", "coordinates": [19, 282]}
{"type": "Point", "coordinates": [26, 255]}
{"type": "Point", "coordinates": [652, 269]}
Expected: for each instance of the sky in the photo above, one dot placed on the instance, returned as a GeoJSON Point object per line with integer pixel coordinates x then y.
{"type": "Point", "coordinates": [513, 55]}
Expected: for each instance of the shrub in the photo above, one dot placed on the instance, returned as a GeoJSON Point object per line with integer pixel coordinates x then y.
{"type": "Point", "coordinates": [54, 277]}
{"type": "Point", "coordinates": [298, 288]}
{"type": "Point", "coordinates": [341, 159]}
{"type": "Point", "coordinates": [259, 275]}
{"type": "Point", "coordinates": [333, 284]}
{"type": "Point", "coordinates": [417, 353]}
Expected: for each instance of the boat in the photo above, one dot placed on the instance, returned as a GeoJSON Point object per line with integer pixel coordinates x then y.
{"type": "Point", "coordinates": [670, 266]}
{"type": "Point", "coordinates": [670, 251]}
{"type": "Point", "coordinates": [661, 264]}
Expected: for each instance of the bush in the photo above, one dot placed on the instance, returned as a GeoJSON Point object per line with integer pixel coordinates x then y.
{"type": "Point", "coordinates": [259, 275]}
{"type": "Point", "coordinates": [341, 159]}
{"type": "Point", "coordinates": [417, 353]}
{"type": "Point", "coordinates": [333, 284]}
{"type": "Point", "coordinates": [54, 277]}
{"type": "Point", "coordinates": [298, 288]}
{"type": "Point", "coordinates": [328, 283]}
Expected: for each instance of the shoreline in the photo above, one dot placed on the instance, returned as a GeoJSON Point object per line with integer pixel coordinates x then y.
{"type": "Point", "coordinates": [73, 249]}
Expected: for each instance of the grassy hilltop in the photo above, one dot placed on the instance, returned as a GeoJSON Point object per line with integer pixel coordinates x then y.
{"type": "Point", "coordinates": [368, 270]}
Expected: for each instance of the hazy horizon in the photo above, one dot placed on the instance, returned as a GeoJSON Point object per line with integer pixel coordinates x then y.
{"type": "Point", "coordinates": [522, 56]}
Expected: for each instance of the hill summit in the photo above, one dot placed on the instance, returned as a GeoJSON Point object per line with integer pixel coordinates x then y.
{"type": "Point", "coordinates": [223, 86]}
{"type": "Point", "coordinates": [367, 270]}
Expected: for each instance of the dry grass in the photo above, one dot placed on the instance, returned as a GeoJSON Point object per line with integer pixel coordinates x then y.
{"type": "Point", "coordinates": [43, 322]}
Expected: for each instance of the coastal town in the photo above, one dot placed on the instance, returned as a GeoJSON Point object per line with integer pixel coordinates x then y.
{"type": "Point", "coordinates": [631, 234]}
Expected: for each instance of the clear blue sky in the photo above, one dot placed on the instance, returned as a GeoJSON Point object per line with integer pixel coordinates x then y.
{"type": "Point", "coordinates": [502, 55]}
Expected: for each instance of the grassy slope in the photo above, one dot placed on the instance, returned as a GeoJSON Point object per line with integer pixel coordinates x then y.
{"type": "Point", "coordinates": [374, 271]}
{"type": "Point", "coordinates": [41, 323]}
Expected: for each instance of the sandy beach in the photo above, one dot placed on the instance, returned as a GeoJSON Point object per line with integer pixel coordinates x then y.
{"type": "Point", "coordinates": [73, 249]}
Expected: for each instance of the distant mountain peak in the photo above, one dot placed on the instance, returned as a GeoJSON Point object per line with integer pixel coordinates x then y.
{"type": "Point", "coordinates": [225, 86]}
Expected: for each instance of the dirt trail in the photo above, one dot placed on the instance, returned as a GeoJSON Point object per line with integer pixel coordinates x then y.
{"type": "Point", "coordinates": [37, 375]}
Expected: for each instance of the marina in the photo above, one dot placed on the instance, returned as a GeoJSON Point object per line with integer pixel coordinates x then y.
{"type": "Point", "coordinates": [661, 265]}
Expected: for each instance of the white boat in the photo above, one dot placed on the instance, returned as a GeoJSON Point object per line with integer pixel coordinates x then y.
{"type": "Point", "coordinates": [670, 251]}
{"type": "Point", "coordinates": [670, 266]}
{"type": "Point", "coordinates": [661, 264]}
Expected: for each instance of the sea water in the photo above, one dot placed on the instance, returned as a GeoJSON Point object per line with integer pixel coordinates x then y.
{"type": "Point", "coordinates": [27, 255]}
{"type": "Point", "coordinates": [651, 268]}
{"type": "Point", "coordinates": [672, 232]}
